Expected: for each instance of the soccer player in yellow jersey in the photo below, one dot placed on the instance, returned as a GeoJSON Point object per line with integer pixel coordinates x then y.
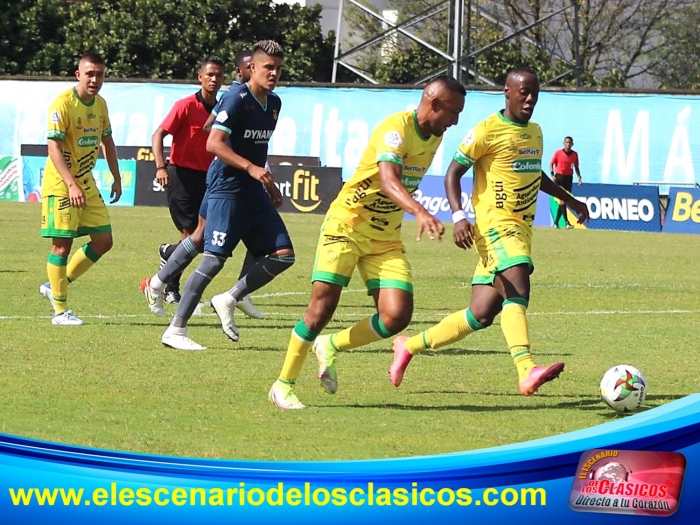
{"type": "Point", "coordinates": [506, 153]}
{"type": "Point", "coordinates": [71, 202]}
{"type": "Point", "coordinates": [363, 229]}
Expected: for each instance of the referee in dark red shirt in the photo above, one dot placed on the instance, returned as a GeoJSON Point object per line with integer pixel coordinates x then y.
{"type": "Point", "coordinates": [561, 168]}
{"type": "Point", "coordinates": [185, 175]}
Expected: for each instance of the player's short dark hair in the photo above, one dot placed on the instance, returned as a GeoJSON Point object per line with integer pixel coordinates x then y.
{"type": "Point", "coordinates": [522, 69]}
{"type": "Point", "coordinates": [569, 138]}
{"type": "Point", "coordinates": [214, 59]}
{"type": "Point", "coordinates": [450, 83]}
{"type": "Point", "coordinates": [269, 47]}
{"type": "Point", "coordinates": [92, 57]}
{"type": "Point", "coordinates": [240, 57]}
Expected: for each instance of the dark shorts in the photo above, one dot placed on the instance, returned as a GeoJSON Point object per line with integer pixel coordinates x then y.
{"type": "Point", "coordinates": [564, 181]}
{"type": "Point", "coordinates": [256, 222]}
{"type": "Point", "coordinates": [185, 192]}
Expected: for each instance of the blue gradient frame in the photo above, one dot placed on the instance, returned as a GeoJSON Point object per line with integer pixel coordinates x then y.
{"type": "Point", "coordinates": [548, 463]}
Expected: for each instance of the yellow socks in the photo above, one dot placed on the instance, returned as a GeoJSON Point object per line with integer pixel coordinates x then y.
{"type": "Point", "coordinates": [81, 261]}
{"type": "Point", "coordinates": [300, 344]}
{"type": "Point", "coordinates": [364, 332]}
{"type": "Point", "coordinates": [451, 329]}
{"type": "Point", "coordinates": [515, 330]}
{"type": "Point", "coordinates": [56, 270]}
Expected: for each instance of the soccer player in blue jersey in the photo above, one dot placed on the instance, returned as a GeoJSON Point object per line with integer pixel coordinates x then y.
{"type": "Point", "coordinates": [241, 198]}
{"type": "Point", "coordinates": [175, 258]}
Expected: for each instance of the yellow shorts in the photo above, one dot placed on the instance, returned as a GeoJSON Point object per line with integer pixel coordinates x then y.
{"type": "Point", "coordinates": [60, 219]}
{"type": "Point", "coordinates": [382, 264]}
{"type": "Point", "coordinates": [499, 248]}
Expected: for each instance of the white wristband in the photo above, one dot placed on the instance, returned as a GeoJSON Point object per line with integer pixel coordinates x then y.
{"type": "Point", "coordinates": [459, 215]}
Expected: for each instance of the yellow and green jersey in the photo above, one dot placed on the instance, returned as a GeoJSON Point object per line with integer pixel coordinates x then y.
{"type": "Point", "coordinates": [79, 127]}
{"type": "Point", "coordinates": [361, 203]}
{"type": "Point", "coordinates": [507, 161]}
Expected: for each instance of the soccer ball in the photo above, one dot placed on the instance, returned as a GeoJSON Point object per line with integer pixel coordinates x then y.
{"type": "Point", "coordinates": [623, 388]}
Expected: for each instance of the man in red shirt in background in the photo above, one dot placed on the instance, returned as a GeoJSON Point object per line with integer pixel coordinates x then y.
{"type": "Point", "coordinates": [561, 168]}
{"type": "Point", "coordinates": [185, 176]}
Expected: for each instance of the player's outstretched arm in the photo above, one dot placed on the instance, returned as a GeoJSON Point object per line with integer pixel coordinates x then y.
{"type": "Point", "coordinates": [392, 187]}
{"type": "Point", "coordinates": [578, 207]}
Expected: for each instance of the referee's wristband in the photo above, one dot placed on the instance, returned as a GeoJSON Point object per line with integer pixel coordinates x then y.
{"type": "Point", "coordinates": [458, 215]}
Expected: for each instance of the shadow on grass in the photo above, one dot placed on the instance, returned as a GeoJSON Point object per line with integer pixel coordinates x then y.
{"type": "Point", "coordinates": [582, 403]}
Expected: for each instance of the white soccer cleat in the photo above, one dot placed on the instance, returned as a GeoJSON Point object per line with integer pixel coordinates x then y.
{"type": "Point", "coordinates": [282, 395]}
{"type": "Point", "coordinates": [177, 338]}
{"type": "Point", "coordinates": [154, 298]}
{"type": "Point", "coordinates": [199, 309]}
{"type": "Point", "coordinates": [66, 319]}
{"type": "Point", "coordinates": [223, 304]}
{"type": "Point", "coordinates": [46, 293]}
{"type": "Point", "coordinates": [246, 306]}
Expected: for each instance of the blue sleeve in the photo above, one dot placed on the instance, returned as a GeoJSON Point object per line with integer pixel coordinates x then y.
{"type": "Point", "coordinates": [228, 111]}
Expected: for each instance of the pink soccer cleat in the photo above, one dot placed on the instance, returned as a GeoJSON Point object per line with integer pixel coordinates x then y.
{"type": "Point", "coordinates": [538, 376]}
{"type": "Point", "coordinates": [401, 359]}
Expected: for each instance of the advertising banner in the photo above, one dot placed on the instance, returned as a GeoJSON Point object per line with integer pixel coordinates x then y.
{"type": "Point", "coordinates": [617, 207]}
{"type": "Point", "coordinates": [307, 189]}
{"type": "Point", "coordinates": [33, 172]}
{"type": "Point", "coordinates": [683, 211]}
{"type": "Point", "coordinates": [10, 180]}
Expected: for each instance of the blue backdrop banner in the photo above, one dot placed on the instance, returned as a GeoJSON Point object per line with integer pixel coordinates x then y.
{"type": "Point", "coordinates": [620, 138]}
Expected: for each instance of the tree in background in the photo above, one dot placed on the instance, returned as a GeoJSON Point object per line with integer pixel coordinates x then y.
{"type": "Point", "coordinates": [164, 39]}
{"type": "Point", "coordinates": [677, 64]}
{"type": "Point", "coordinates": [621, 43]}
{"type": "Point", "coordinates": [31, 37]}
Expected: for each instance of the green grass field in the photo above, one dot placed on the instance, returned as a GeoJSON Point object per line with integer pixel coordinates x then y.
{"type": "Point", "coordinates": [598, 299]}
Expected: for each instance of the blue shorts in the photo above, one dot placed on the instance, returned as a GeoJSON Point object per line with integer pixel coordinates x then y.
{"type": "Point", "coordinates": [203, 206]}
{"type": "Point", "coordinates": [256, 222]}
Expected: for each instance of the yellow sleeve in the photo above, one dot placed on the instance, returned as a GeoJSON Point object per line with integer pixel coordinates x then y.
{"type": "Point", "coordinates": [389, 141]}
{"type": "Point", "coordinates": [58, 121]}
{"type": "Point", "coordinates": [108, 126]}
{"type": "Point", "coordinates": [474, 145]}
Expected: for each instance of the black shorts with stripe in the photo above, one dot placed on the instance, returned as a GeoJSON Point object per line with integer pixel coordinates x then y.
{"type": "Point", "coordinates": [564, 181]}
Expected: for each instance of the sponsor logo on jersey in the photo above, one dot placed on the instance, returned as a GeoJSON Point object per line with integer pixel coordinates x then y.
{"type": "Point", "coordinates": [55, 117]}
{"type": "Point", "coordinates": [222, 116]}
{"type": "Point", "coordinates": [410, 183]}
{"type": "Point", "coordinates": [257, 134]}
{"type": "Point", "coordinates": [527, 166]}
{"type": "Point", "coordinates": [88, 142]}
{"type": "Point", "coordinates": [90, 130]}
{"type": "Point", "coordinates": [529, 151]}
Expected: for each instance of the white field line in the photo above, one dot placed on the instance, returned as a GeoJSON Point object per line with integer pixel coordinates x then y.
{"type": "Point", "coordinates": [295, 315]}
